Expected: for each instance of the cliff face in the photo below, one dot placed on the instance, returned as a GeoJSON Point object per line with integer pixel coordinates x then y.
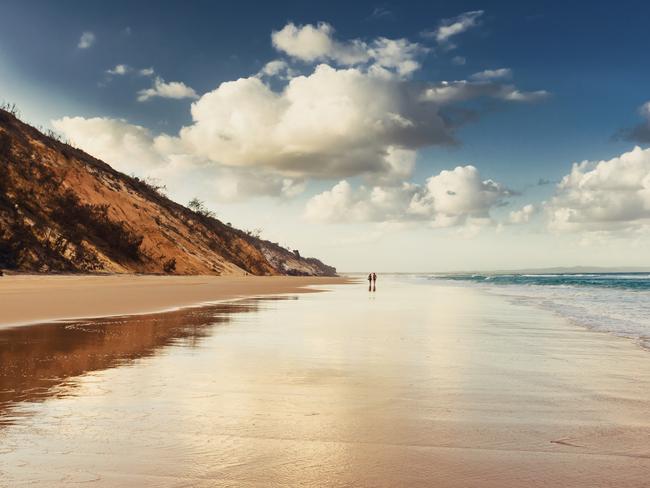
{"type": "Point", "coordinates": [61, 210]}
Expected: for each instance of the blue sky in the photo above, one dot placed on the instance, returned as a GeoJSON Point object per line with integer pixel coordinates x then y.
{"type": "Point", "coordinates": [587, 58]}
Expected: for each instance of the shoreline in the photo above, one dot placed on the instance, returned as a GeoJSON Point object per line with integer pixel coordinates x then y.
{"type": "Point", "coordinates": [457, 383]}
{"type": "Point", "coordinates": [550, 304]}
{"type": "Point", "coordinates": [36, 299]}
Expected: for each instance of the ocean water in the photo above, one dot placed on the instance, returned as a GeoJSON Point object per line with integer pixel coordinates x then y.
{"type": "Point", "coordinates": [617, 303]}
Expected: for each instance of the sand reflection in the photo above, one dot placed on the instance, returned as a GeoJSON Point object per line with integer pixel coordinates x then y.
{"type": "Point", "coordinates": [38, 362]}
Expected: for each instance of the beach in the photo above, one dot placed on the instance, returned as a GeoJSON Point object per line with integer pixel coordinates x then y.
{"type": "Point", "coordinates": [29, 299]}
{"type": "Point", "coordinates": [419, 384]}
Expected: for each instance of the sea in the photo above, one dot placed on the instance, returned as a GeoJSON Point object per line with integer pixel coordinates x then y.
{"type": "Point", "coordinates": [617, 303]}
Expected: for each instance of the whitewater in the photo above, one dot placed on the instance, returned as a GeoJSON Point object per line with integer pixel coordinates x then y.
{"type": "Point", "coordinates": [617, 303]}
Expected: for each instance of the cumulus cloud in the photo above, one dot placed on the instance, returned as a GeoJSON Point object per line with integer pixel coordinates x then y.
{"type": "Point", "coordinates": [604, 195]}
{"type": "Point", "coordinates": [452, 197]}
{"type": "Point", "coordinates": [522, 215]}
{"type": "Point", "coordinates": [146, 72]}
{"type": "Point", "coordinates": [232, 185]}
{"type": "Point", "coordinates": [641, 132]}
{"type": "Point", "coordinates": [277, 67]}
{"type": "Point", "coordinates": [399, 164]}
{"type": "Point", "coordinates": [163, 89]}
{"type": "Point", "coordinates": [448, 199]}
{"type": "Point", "coordinates": [113, 140]}
{"type": "Point", "coordinates": [492, 74]}
{"type": "Point", "coordinates": [449, 92]}
{"type": "Point", "coordinates": [316, 43]}
{"type": "Point", "coordinates": [449, 28]}
{"type": "Point", "coordinates": [396, 54]}
{"type": "Point", "coordinates": [187, 177]}
{"type": "Point", "coordinates": [86, 40]}
{"type": "Point", "coordinates": [355, 112]}
{"type": "Point", "coordinates": [342, 203]}
{"type": "Point", "coordinates": [331, 123]}
{"type": "Point", "coordinates": [119, 70]}
{"type": "Point", "coordinates": [133, 149]}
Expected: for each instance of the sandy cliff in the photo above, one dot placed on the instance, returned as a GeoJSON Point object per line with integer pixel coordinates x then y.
{"type": "Point", "coordinates": [63, 210]}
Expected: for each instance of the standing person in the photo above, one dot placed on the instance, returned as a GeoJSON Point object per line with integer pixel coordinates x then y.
{"type": "Point", "coordinates": [370, 282]}
{"type": "Point", "coordinates": [374, 281]}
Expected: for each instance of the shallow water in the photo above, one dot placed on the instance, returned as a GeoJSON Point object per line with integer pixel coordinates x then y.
{"type": "Point", "coordinates": [617, 303]}
{"type": "Point", "coordinates": [414, 385]}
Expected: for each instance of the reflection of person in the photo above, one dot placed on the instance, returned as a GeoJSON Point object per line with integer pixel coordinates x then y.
{"type": "Point", "coordinates": [370, 282]}
{"type": "Point", "coordinates": [374, 281]}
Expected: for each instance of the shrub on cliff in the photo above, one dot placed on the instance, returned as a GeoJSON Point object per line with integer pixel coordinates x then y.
{"type": "Point", "coordinates": [80, 219]}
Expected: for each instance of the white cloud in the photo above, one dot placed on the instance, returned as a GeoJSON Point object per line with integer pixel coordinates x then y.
{"type": "Point", "coordinates": [522, 215]}
{"type": "Point", "coordinates": [273, 68]}
{"type": "Point", "coordinates": [133, 149]}
{"type": "Point", "coordinates": [125, 69]}
{"type": "Point", "coordinates": [119, 70]}
{"type": "Point", "coordinates": [398, 54]}
{"type": "Point", "coordinates": [510, 93]}
{"type": "Point", "coordinates": [448, 199]}
{"type": "Point", "coordinates": [449, 28]}
{"type": "Point", "coordinates": [342, 203]}
{"type": "Point", "coordinates": [492, 74]}
{"type": "Point", "coordinates": [331, 123]}
{"type": "Point", "coordinates": [315, 43]}
{"type": "Point", "coordinates": [232, 185]}
{"type": "Point", "coordinates": [399, 164]}
{"type": "Point", "coordinates": [358, 116]}
{"type": "Point", "coordinates": [309, 43]}
{"type": "Point", "coordinates": [459, 60]}
{"type": "Point", "coordinates": [449, 92]}
{"type": "Point", "coordinates": [163, 89]}
{"type": "Point", "coordinates": [452, 196]}
{"type": "Point", "coordinates": [604, 195]}
{"type": "Point", "coordinates": [277, 67]}
{"type": "Point", "coordinates": [114, 140]}
{"type": "Point", "coordinates": [86, 40]}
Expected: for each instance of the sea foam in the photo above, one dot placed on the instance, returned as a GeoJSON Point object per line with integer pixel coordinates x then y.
{"type": "Point", "coordinates": [617, 303]}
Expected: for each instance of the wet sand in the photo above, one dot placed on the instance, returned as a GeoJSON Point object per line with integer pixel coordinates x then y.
{"type": "Point", "coordinates": [414, 385]}
{"type": "Point", "coordinates": [29, 299]}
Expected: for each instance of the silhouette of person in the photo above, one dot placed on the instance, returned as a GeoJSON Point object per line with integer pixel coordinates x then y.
{"type": "Point", "coordinates": [374, 281]}
{"type": "Point", "coordinates": [370, 282]}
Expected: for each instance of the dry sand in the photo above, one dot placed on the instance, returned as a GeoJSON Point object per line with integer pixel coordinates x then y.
{"type": "Point", "coordinates": [29, 299]}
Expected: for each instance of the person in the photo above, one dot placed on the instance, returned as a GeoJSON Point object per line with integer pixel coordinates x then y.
{"type": "Point", "coordinates": [374, 281]}
{"type": "Point", "coordinates": [370, 282]}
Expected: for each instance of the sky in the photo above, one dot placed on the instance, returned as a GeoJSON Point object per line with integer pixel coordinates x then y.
{"type": "Point", "coordinates": [386, 136]}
